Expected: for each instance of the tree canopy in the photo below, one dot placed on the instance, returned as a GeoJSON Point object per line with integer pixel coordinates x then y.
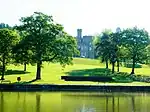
{"type": "Point", "coordinates": [8, 39]}
{"type": "Point", "coordinates": [47, 40]}
{"type": "Point", "coordinates": [135, 40]}
{"type": "Point", "coordinates": [103, 47]}
{"type": "Point", "coordinates": [131, 44]}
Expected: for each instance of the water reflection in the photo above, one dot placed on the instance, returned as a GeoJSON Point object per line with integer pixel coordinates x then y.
{"type": "Point", "coordinates": [106, 104]}
{"type": "Point", "coordinates": [73, 102]}
{"type": "Point", "coordinates": [2, 102]}
{"type": "Point", "coordinates": [38, 98]}
{"type": "Point", "coordinates": [133, 104]}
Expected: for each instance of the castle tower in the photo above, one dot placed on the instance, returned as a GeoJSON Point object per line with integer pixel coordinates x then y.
{"type": "Point", "coordinates": [118, 29]}
{"type": "Point", "coordinates": [79, 32]}
{"type": "Point", "coordinates": [79, 39]}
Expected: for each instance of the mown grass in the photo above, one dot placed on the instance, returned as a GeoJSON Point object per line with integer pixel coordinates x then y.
{"type": "Point", "coordinates": [51, 73]}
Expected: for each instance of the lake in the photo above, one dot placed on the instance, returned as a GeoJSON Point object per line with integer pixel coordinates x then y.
{"type": "Point", "coordinates": [74, 102]}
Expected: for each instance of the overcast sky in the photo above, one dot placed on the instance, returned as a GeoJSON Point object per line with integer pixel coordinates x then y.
{"type": "Point", "coordinates": [91, 15]}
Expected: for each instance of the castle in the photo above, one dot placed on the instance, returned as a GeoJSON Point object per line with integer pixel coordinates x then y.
{"type": "Point", "coordinates": [85, 45]}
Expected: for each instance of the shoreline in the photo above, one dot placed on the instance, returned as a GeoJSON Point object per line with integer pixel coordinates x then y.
{"type": "Point", "coordinates": [53, 87]}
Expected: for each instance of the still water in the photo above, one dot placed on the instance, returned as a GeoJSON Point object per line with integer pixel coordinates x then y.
{"type": "Point", "coordinates": [74, 102]}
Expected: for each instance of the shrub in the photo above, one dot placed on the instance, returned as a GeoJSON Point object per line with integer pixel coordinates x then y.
{"type": "Point", "coordinates": [122, 78]}
{"type": "Point", "coordinates": [129, 65]}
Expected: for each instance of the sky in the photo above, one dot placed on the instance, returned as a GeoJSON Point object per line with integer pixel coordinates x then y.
{"type": "Point", "coordinates": [92, 16]}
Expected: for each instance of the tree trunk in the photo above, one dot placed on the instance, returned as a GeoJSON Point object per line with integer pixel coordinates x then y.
{"type": "Point", "coordinates": [113, 67]}
{"type": "Point", "coordinates": [106, 63]}
{"type": "Point", "coordinates": [133, 66]}
{"type": "Point", "coordinates": [117, 65]}
{"type": "Point", "coordinates": [38, 73]}
{"type": "Point", "coordinates": [3, 69]}
{"type": "Point", "coordinates": [25, 67]}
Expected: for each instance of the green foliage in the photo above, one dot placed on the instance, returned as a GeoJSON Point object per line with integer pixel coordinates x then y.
{"type": "Point", "coordinates": [21, 52]}
{"type": "Point", "coordinates": [135, 40]}
{"type": "Point", "coordinates": [109, 48]}
{"type": "Point", "coordinates": [47, 40]}
{"type": "Point", "coordinates": [90, 72]}
{"type": "Point", "coordinates": [120, 77]}
{"type": "Point", "coordinates": [129, 65]}
{"type": "Point", "coordinates": [141, 78]}
{"type": "Point", "coordinates": [64, 48]}
{"type": "Point", "coordinates": [129, 44]}
{"type": "Point", "coordinates": [123, 52]}
{"type": "Point", "coordinates": [8, 39]}
{"type": "Point", "coordinates": [147, 61]}
{"type": "Point", "coordinates": [103, 47]}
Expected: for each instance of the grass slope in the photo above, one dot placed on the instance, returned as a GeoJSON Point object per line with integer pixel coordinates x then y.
{"type": "Point", "coordinates": [51, 73]}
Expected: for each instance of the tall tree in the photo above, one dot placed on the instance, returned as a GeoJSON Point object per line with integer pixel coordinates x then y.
{"type": "Point", "coordinates": [113, 51]}
{"type": "Point", "coordinates": [116, 43]}
{"type": "Point", "coordinates": [47, 40]}
{"type": "Point", "coordinates": [136, 41]}
{"type": "Point", "coordinates": [103, 47]}
{"type": "Point", "coordinates": [8, 39]}
{"type": "Point", "coordinates": [108, 48]}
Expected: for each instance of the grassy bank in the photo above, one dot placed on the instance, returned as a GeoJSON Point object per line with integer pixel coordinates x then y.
{"type": "Point", "coordinates": [51, 73]}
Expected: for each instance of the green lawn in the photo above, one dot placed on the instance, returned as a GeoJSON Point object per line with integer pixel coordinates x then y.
{"type": "Point", "coordinates": [51, 73]}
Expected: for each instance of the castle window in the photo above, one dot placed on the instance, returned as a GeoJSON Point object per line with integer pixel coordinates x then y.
{"type": "Point", "coordinates": [90, 48]}
{"type": "Point", "coordinates": [90, 43]}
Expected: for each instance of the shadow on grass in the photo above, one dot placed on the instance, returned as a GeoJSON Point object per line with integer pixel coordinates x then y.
{"type": "Point", "coordinates": [90, 72]}
{"type": "Point", "coordinates": [15, 72]}
{"type": "Point", "coordinates": [117, 77]}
